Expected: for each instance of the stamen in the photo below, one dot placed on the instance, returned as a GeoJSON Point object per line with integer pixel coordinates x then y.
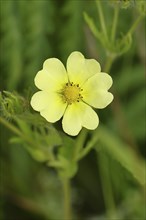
{"type": "Point", "coordinates": [71, 93]}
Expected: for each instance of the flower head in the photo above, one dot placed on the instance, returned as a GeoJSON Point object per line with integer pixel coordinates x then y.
{"type": "Point", "coordinates": [72, 93]}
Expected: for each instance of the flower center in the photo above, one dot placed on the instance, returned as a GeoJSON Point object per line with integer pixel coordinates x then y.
{"type": "Point", "coordinates": [71, 93]}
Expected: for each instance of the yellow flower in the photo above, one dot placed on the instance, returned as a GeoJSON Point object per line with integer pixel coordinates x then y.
{"type": "Point", "coordinates": [71, 93]}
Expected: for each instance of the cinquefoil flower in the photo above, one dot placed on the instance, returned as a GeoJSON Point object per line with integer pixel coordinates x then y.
{"type": "Point", "coordinates": [72, 93]}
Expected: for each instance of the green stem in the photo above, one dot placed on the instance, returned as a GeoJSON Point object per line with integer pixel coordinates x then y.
{"type": "Point", "coordinates": [106, 185]}
{"type": "Point", "coordinates": [109, 63]}
{"type": "Point", "coordinates": [132, 29]}
{"type": "Point", "coordinates": [12, 128]}
{"type": "Point", "coordinates": [101, 18]}
{"type": "Point", "coordinates": [79, 143]}
{"type": "Point", "coordinates": [67, 199]}
{"type": "Point", "coordinates": [115, 21]}
{"type": "Point", "coordinates": [16, 131]}
{"type": "Point", "coordinates": [89, 145]}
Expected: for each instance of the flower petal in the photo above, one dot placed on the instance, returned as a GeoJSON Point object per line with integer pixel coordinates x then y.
{"type": "Point", "coordinates": [52, 77]}
{"type": "Point", "coordinates": [92, 67]}
{"type": "Point", "coordinates": [78, 115]}
{"type": "Point", "coordinates": [98, 99]}
{"type": "Point", "coordinates": [55, 109]}
{"type": "Point", "coordinates": [55, 69]}
{"type": "Point", "coordinates": [80, 69]}
{"type": "Point", "coordinates": [100, 81]}
{"type": "Point", "coordinates": [95, 90]}
{"type": "Point", "coordinates": [39, 100]}
{"type": "Point", "coordinates": [46, 82]}
{"type": "Point", "coordinates": [72, 121]}
{"type": "Point", "coordinates": [90, 119]}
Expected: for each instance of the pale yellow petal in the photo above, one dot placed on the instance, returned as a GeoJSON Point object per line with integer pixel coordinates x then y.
{"type": "Point", "coordinates": [98, 81]}
{"type": "Point", "coordinates": [95, 90]}
{"type": "Point", "coordinates": [79, 115]}
{"type": "Point", "coordinates": [52, 77]}
{"type": "Point", "coordinates": [45, 82]}
{"type": "Point", "coordinates": [98, 99]}
{"type": "Point", "coordinates": [92, 67]}
{"type": "Point", "coordinates": [104, 80]}
{"type": "Point", "coordinates": [39, 100]}
{"type": "Point", "coordinates": [72, 121]}
{"type": "Point", "coordinates": [55, 69]}
{"type": "Point", "coordinates": [55, 109]}
{"type": "Point", "coordinates": [80, 69]}
{"type": "Point", "coordinates": [90, 119]}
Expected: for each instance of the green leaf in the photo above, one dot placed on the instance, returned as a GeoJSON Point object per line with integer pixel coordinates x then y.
{"type": "Point", "coordinates": [92, 26]}
{"type": "Point", "coordinates": [69, 168]}
{"type": "Point", "coordinates": [67, 148]}
{"type": "Point", "coordinates": [123, 153]}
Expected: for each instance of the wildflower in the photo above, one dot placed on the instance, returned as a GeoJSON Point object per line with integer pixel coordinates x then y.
{"type": "Point", "coordinates": [72, 93]}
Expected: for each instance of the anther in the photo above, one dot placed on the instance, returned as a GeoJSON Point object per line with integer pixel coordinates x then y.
{"type": "Point", "coordinates": [71, 93]}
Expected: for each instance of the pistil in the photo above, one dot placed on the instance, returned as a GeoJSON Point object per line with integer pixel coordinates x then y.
{"type": "Point", "coordinates": [71, 93]}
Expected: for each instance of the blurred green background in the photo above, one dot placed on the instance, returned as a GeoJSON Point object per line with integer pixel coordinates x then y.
{"type": "Point", "coordinates": [32, 31]}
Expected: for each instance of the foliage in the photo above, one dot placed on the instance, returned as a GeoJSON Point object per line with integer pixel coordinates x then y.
{"type": "Point", "coordinates": [106, 166]}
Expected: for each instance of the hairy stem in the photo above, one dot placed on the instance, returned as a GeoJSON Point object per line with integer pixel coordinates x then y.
{"type": "Point", "coordinates": [16, 131]}
{"type": "Point", "coordinates": [26, 138]}
{"type": "Point", "coordinates": [11, 127]}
